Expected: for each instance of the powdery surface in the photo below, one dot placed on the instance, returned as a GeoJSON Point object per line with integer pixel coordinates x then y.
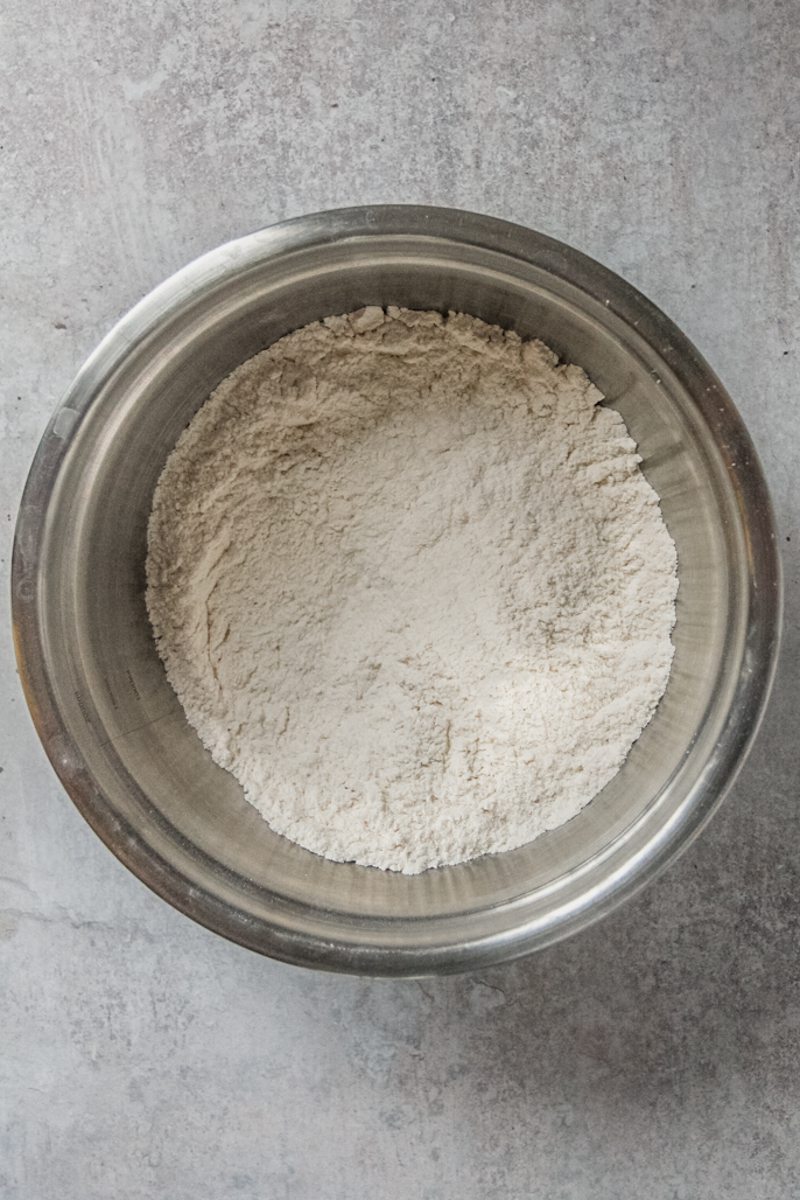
{"type": "Point", "coordinates": [411, 587]}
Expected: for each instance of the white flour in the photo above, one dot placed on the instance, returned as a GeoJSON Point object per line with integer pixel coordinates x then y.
{"type": "Point", "coordinates": [411, 587]}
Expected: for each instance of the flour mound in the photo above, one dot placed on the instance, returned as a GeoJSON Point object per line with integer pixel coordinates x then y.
{"type": "Point", "coordinates": [411, 587]}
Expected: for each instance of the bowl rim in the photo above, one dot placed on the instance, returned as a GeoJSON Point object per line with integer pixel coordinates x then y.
{"type": "Point", "coordinates": [715, 407]}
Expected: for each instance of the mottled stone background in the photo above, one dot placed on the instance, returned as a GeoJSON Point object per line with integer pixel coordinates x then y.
{"type": "Point", "coordinates": [655, 1055]}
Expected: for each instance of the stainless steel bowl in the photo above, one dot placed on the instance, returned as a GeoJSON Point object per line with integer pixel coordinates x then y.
{"type": "Point", "coordinates": [113, 728]}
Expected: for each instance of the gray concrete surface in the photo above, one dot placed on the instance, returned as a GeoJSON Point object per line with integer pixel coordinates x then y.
{"type": "Point", "coordinates": [655, 1055]}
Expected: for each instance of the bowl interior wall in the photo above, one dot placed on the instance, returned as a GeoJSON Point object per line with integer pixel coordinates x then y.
{"type": "Point", "coordinates": [142, 748]}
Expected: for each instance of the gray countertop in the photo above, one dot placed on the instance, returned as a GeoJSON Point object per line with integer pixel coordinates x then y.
{"type": "Point", "coordinates": [655, 1055]}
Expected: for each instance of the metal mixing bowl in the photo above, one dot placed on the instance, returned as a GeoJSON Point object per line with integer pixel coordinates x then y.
{"type": "Point", "coordinates": [112, 727]}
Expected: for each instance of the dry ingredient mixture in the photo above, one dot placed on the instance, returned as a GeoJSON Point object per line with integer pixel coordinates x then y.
{"type": "Point", "coordinates": [411, 587]}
